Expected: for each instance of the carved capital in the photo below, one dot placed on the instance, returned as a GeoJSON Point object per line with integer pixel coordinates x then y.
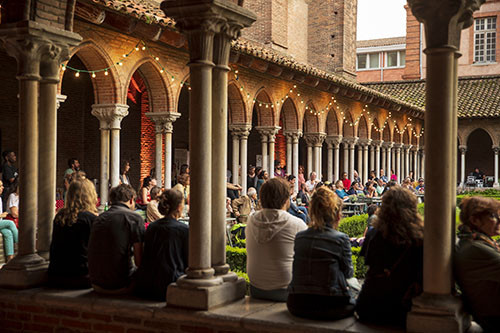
{"type": "Point", "coordinates": [293, 135]}
{"type": "Point", "coordinates": [377, 143]}
{"type": "Point", "coordinates": [444, 20]}
{"type": "Point", "coordinates": [110, 115]}
{"type": "Point", "coordinates": [462, 148]}
{"type": "Point", "coordinates": [387, 145]}
{"type": "Point", "coordinates": [407, 147]}
{"type": "Point", "coordinates": [268, 133]}
{"type": "Point", "coordinates": [241, 131]}
{"type": "Point", "coordinates": [364, 142]}
{"type": "Point", "coordinates": [397, 147]}
{"type": "Point", "coordinates": [315, 139]}
{"type": "Point", "coordinates": [496, 149]}
{"type": "Point", "coordinates": [350, 141]}
{"type": "Point", "coordinates": [163, 121]}
{"type": "Point", "coordinates": [333, 141]}
{"type": "Point", "coordinates": [60, 99]}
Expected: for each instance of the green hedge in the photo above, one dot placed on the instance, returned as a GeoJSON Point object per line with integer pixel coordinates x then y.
{"type": "Point", "coordinates": [237, 260]}
{"type": "Point", "coordinates": [353, 226]}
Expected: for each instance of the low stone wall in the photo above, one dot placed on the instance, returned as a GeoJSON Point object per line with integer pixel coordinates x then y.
{"type": "Point", "coordinates": [48, 310]}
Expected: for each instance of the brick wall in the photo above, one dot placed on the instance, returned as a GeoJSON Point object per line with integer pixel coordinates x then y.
{"type": "Point", "coordinates": [260, 31]}
{"type": "Point", "coordinates": [51, 12]}
{"type": "Point", "coordinates": [9, 136]}
{"type": "Point", "coordinates": [297, 29]}
{"type": "Point", "coordinates": [394, 74]}
{"type": "Point", "coordinates": [412, 68]}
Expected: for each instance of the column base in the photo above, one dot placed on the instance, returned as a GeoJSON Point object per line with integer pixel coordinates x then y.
{"type": "Point", "coordinates": [204, 298]}
{"type": "Point", "coordinates": [496, 185]}
{"type": "Point", "coordinates": [437, 313]}
{"type": "Point", "coordinates": [24, 272]}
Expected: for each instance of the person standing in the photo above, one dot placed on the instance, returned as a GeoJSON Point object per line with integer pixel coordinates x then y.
{"type": "Point", "coordinates": [9, 172]}
{"type": "Point", "coordinates": [251, 177]}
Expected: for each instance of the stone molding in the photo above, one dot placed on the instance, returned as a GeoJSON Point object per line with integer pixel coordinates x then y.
{"type": "Point", "coordinates": [350, 141]}
{"type": "Point", "coordinates": [60, 99]}
{"type": "Point", "coordinates": [164, 121]}
{"type": "Point", "coordinates": [364, 142]}
{"type": "Point", "coordinates": [333, 141]}
{"type": "Point", "coordinates": [377, 143]}
{"type": "Point", "coordinates": [242, 131]}
{"type": "Point", "coordinates": [496, 149]}
{"type": "Point", "coordinates": [268, 133]}
{"type": "Point", "coordinates": [110, 115]}
{"type": "Point", "coordinates": [293, 135]}
{"type": "Point", "coordinates": [463, 149]}
{"type": "Point", "coordinates": [387, 145]}
{"type": "Point", "coordinates": [398, 147]}
{"type": "Point", "coordinates": [407, 147]}
{"type": "Point", "coordinates": [315, 139]}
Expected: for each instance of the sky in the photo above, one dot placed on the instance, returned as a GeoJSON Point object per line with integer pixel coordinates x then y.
{"type": "Point", "coordinates": [381, 19]}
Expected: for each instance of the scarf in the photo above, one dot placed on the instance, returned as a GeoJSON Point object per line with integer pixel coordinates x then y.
{"type": "Point", "coordinates": [465, 232]}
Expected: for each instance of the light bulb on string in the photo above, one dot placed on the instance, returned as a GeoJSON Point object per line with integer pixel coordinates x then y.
{"type": "Point", "coordinates": [106, 72]}
{"type": "Point", "coordinates": [93, 74]}
{"type": "Point", "coordinates": [77, 74]}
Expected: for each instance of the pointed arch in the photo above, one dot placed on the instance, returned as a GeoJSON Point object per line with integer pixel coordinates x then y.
{"type": "Point", "coordinates": [362, 128]}
{"type": "Point", "coordinates": [375, 131]}
{"type": "Point", "coordinates": [332, 123]}
{"type": "Point", "coordinates": [289, 115]}
{"type": "Point", "coordinates": [406, 137]}
{"type": "Point", "coordinates": [396, 134]}
{"type": "Point", "coordinates": [348, 128]}
{"type": "Point", "coordinates": [311, 121]}
{"type": "Point", "coordinates": [386, 133]}
{"type": "Point", "coordinates": [264, 108]}
{"type": "Point", "coordinates": [236, 107]}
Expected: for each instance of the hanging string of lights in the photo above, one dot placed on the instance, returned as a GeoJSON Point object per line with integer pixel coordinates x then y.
{"type": "Point", "coordinates": [141, 45]}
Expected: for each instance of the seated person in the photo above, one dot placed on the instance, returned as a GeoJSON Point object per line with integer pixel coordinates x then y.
{"type": "Point", "coordinates": [340, 191]}
{"type": "Point", "coordinates": [322, 264]}
{"type": "Point", "coordinates": [8, 230]}
{"type": "Point", "coordinates": [112, 237]}
{"type": "Point", "coordinates": [421, 186]}
{"type": "Point", "coordinates": [152, 213]}
{"type": "Point", "coordinates": [297, 211]}
{"type": "Point", "coordinates": [270, 234]}
{"type": "Point", "coordinates": [13, 203]}
{"type": "Point", "coordinates": [380, 187]}
{"type": "Point", "coordinates": [303, 195]}
{"type": "Point", "coordinates": [68, 266]}
{"type": "Point", "coordinates": [245, 205]}
{"type": "Point", "coordinates": [477, 260]}
{"type": "Point", "coordinates": [165, 249]}
{"type": "Point", "coordinates": [395, 259]}
{"type": "Point", "coordinates": [145, 192]}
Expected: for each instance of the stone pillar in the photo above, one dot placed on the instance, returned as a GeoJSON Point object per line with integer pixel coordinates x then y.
{"type": "Point", "coordinates": [295, 159]}
{"type": "Point", "coordinates": [169, 129]}
{"type": "Point", "coordinates": [335, 141]}
{"type": "Point", "coordinates": [360, 159]}
{"type": "Point", "coordinates": [163, 125]}
{"type": "Point", "coordinates": [235, 133]}
{"type": "Point", "coordinates": [309, 159]}
{"type": "Point", "coordinates": [39, 50]}
{"type": "Point", "coordinates": [463, 150]}
{"type": "Point", "coordinates": [119, 111]}
{"type": "Point", "coordinates": [496, 149]}
{"type": "Point", "coordinates": [397, 149]}
{"type": "Point", "coordinates": [272, 138]}
{"type": "Point", "coordinates": [288, 154]}
{"type": "Point", "coordinates": [414, 153]}
{"type": "Point", "coordinates": [422, 163]}
{"type": "Point", "coordinates": [243, 158]}
{"type": "Point", "coordinates": [383, 155]}
{"type": "Point", "coordinates": [199, 288]}
{"type": "Point", "coordinates": [100, 114]}
{"type": "Point", "coordinates": [388, 147]}
{"type": "Point", "coordinates": [371, 166]}
{"type": "Point", "coordinates": [315, 141]}
{"type": "Point", "coordinates": [364, 146]}
{"type": "Point", "coordinates": [264, 139]}
{"type": "Point", "coordinates": [436, 310]}
{"type": "Point", "coordinates": [376, 145]}
{"type": "Point", "coordinates": [329, 146]}
{"type": "Point", "coordinates": [349, 142]}
{"type": "Point", "coordinates": [407, 160]}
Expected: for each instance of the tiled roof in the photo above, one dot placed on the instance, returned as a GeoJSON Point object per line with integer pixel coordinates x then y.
{"type": "Point", "coordinates": [381, 42]}
{"type": "Point", "coordinates": [478, 97]}
{"type": "Point", "coordinates": [145, 10]}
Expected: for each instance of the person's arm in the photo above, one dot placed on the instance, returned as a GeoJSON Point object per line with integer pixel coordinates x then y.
{"type": "Point", "coordinates": [137, 254]}
{"type": "Point", "coordinates": [235, 204]}
{"type": "Point", "coordinates": [14, 211]}
{"type": "Point", "coordinates": [144, 196]}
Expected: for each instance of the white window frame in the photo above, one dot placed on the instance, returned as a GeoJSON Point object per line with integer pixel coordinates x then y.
{"type": "Point", "coordinates": [398, 61]}
{"type": "Point", "coordinates": [368, 68]}
{"type": "Point", "coordinates": [482, 32]}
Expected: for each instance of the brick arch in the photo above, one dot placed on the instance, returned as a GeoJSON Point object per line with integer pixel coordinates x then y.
{"type": "Point", "coordinates": [375, 130]}
{"type": "Point", "coordinates": [413, 138]}
{"type": "Point", "coordinates": [161, 99]}
{"type": "Point", "coordinates": [235, 105]}
{"type": "Point", "coordinates": [264, 107]}
{"type": "Point", "coordinates": [348, 127]}
{"type": "Point", "coordinates": [311, 121]}
{"type": "Point", "coordinates": [386, 133]}
{"type": "Point", "coordinates": [290, 115]}
{"type": "Point", "coordinates": [362, 128]}
{"type": "Point", "coordinates": [395, 134]}
{"type": "Point", "coordinates": [466, 134]}
{"type": "Point", "coordinates": [106, 87]}
{"type": "Point", "coordinates": [406, 137]}
{"type": "Point", "coordinates": [332, 123]}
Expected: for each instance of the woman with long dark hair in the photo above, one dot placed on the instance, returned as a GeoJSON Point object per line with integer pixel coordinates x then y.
{"type": "Point", "coordinates": [68, 267]}
{"type": "Point", "coordinates": [394, 255]}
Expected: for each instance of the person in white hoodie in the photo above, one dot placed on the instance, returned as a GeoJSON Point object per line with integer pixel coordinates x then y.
{"type": "Point", "coordinates": [270, 236]}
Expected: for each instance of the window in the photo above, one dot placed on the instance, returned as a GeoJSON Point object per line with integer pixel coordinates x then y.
{"type": "Point", "coordinates": [485, 39]}
{"type": "Point", "coordinates": [395, 59]}
{"type": "Point", "coordinates": [368, 61]}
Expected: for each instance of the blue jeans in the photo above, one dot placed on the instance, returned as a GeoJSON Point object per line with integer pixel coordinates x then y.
{"type": "Point", "coordinates": [10, 236]}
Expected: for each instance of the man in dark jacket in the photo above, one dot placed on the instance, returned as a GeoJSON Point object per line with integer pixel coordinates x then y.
{"type": "Point", "coordinates": [113, 236]}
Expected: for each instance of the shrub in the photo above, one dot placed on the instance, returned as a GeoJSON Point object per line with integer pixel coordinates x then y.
{"type": "Point", "coordinates": [358, 262]}
{"type": "Point", "coordinates": [353, 226]}
{"type": "Point", "coordinates": [236, 258]}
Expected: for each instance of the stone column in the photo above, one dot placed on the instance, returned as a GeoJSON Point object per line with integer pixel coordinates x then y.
{"type": "Point", "coordinates": [397, 149]}
{"type": "Point", "coordinates": [310, 144]}
{"type": "Point", "coordinates": [360, 159]}
{"type": "Point", "coordinates": [272, 137]}
{"type": "Point", "coordinates": [39, 51]}
{"type": "Point", "coordinates": [388, 167]}
{"type": "Point", "coordinates": [158, 153]}
{"type": "Point", "coordinates": [236, 153]}
{"type": "Point", "coordinates": [315, 141]}
{"type": "Point", "coordinates": [496, 149]}
{"type": "Point", "coordinates": [243, 158]}
{"type": "Point", "coordinates": [422, 163]}
{"type": "Point", "coordinates": [335, 141]}
{"type": "Point", "coordinates": [383, 155]}
{"type": "Point", "coordinates": [295, 159]}
{"type": "Point", "coordinates": [350, 142]}
{"type": "Point", "coordinates": [364, 146]}
{"type": "Point", "coordinates": [414, 153]}
{"type": "Point", "coordinates": [407, 160]}
{"type": "Point", "coordinates": [377, 144]}
{"type": "Point", "coordinates": [463, 150]}
{"type": "Point", "coordinates": [371, 166]}
{"type": "Point", "coordinates": [436, 309]}
{"type": "Point", "coordinates": [168, 129]}
{"type": "Point", "coordinates": [329, 145]}
{"type": "Point", "coordinates": [264, 139]}
{"type": "Point", "coordinates": [288, 153]}
{"type": "Point", "coordinates": [101, 114]}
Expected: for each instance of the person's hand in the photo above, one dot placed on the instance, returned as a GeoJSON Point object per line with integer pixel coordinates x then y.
{"type": "Point", "coordinates": [237, 214]}
{"type": "Point", "coordinates": [4, 215]}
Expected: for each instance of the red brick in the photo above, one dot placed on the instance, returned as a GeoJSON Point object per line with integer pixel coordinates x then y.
{"type": "Point", "coordinates": [160, 325]}
{"type": "Point", "coordinates": [96, 316]}
{"type": "Point", "coordinates": [128, 320]}
{"type": "Point", "coordinates": [75, 323]}
{"type": "Point", "coordinates": [108, 328]}
{"type": "Point", "coordinates": [46, 320]}
{"type": "Point", "coordinates": [37, 328]}
{"type": "Point", "coordinates": [18, 316]}
{"type": "Point", "coordinates": [30, 308]}
{"type": "Point", "coordinates": [11, 324]}
{"type": "Point", "coordinates": [134, 330]}
{"type": "Point", "coordinates": [196, 329]}
{"type": "Point", "coordinates": [64, 312]}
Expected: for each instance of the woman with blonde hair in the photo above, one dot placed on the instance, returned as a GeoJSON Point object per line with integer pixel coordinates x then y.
{"type": "Point", "coordinates": [68, 266]}
{"type": "Point", "coordinates": [322, 263]}
{"type": "Point", "coordinates": [477, 260]}
{"type": "Point", "coordinates": [394, 254]}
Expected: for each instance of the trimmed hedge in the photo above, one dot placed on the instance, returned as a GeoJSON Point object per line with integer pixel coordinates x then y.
{"type": "Point", "coordinates": [358, 262]}
{"type": "Point", "coordinates": [353, 226]}
{"type": "Point", "coordinates": [489, 193]}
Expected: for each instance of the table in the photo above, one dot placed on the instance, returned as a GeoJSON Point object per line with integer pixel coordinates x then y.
{"type": "Point", "coordinates": [356, 208]}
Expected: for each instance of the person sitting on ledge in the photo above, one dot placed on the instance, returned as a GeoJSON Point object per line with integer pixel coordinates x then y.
{"type": "Point", "coordinates": [68, 266]}
{"type": "Point", "coordinates": [394, 256]}
{"type": "Point", "coordinates": [152, 213]}
{"type": "Point", "coordinates": [113, 235]}
{"type": "Point", "coordinates": [165, 249]}
{"type": "Point", "coordinates": [270, 234]}
{"type": "Point", "coordinates": [477, 260]}
{"type": "Point", "coordinates": [245, 205]}
{"type": "Point", "coordinates": [322, 264]}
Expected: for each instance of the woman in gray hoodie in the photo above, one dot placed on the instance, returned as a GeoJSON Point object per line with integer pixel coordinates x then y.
{"type": "Point", "coordinates": [270, 236]}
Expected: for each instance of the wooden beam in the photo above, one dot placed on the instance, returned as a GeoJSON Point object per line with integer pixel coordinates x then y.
{"type": "Point", "coordinates": [259, 65]}
{"type": "Point", "coordinates": [90, 13]}
{"type": "Point", "coordinates": [274, 70]}
{"type": "Point", "coordinates": [120, 22]}
{"type": "Point", "coordinates": [147, 31]}
{"type": "Point", "coordinates": [173, 38]}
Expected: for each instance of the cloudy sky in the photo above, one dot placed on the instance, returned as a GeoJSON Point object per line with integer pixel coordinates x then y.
{"type": "Point", "coordinates": [381, 18]}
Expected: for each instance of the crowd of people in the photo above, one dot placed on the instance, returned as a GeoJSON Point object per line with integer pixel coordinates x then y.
{"type": "Point", "coordinates": [295, 254]}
